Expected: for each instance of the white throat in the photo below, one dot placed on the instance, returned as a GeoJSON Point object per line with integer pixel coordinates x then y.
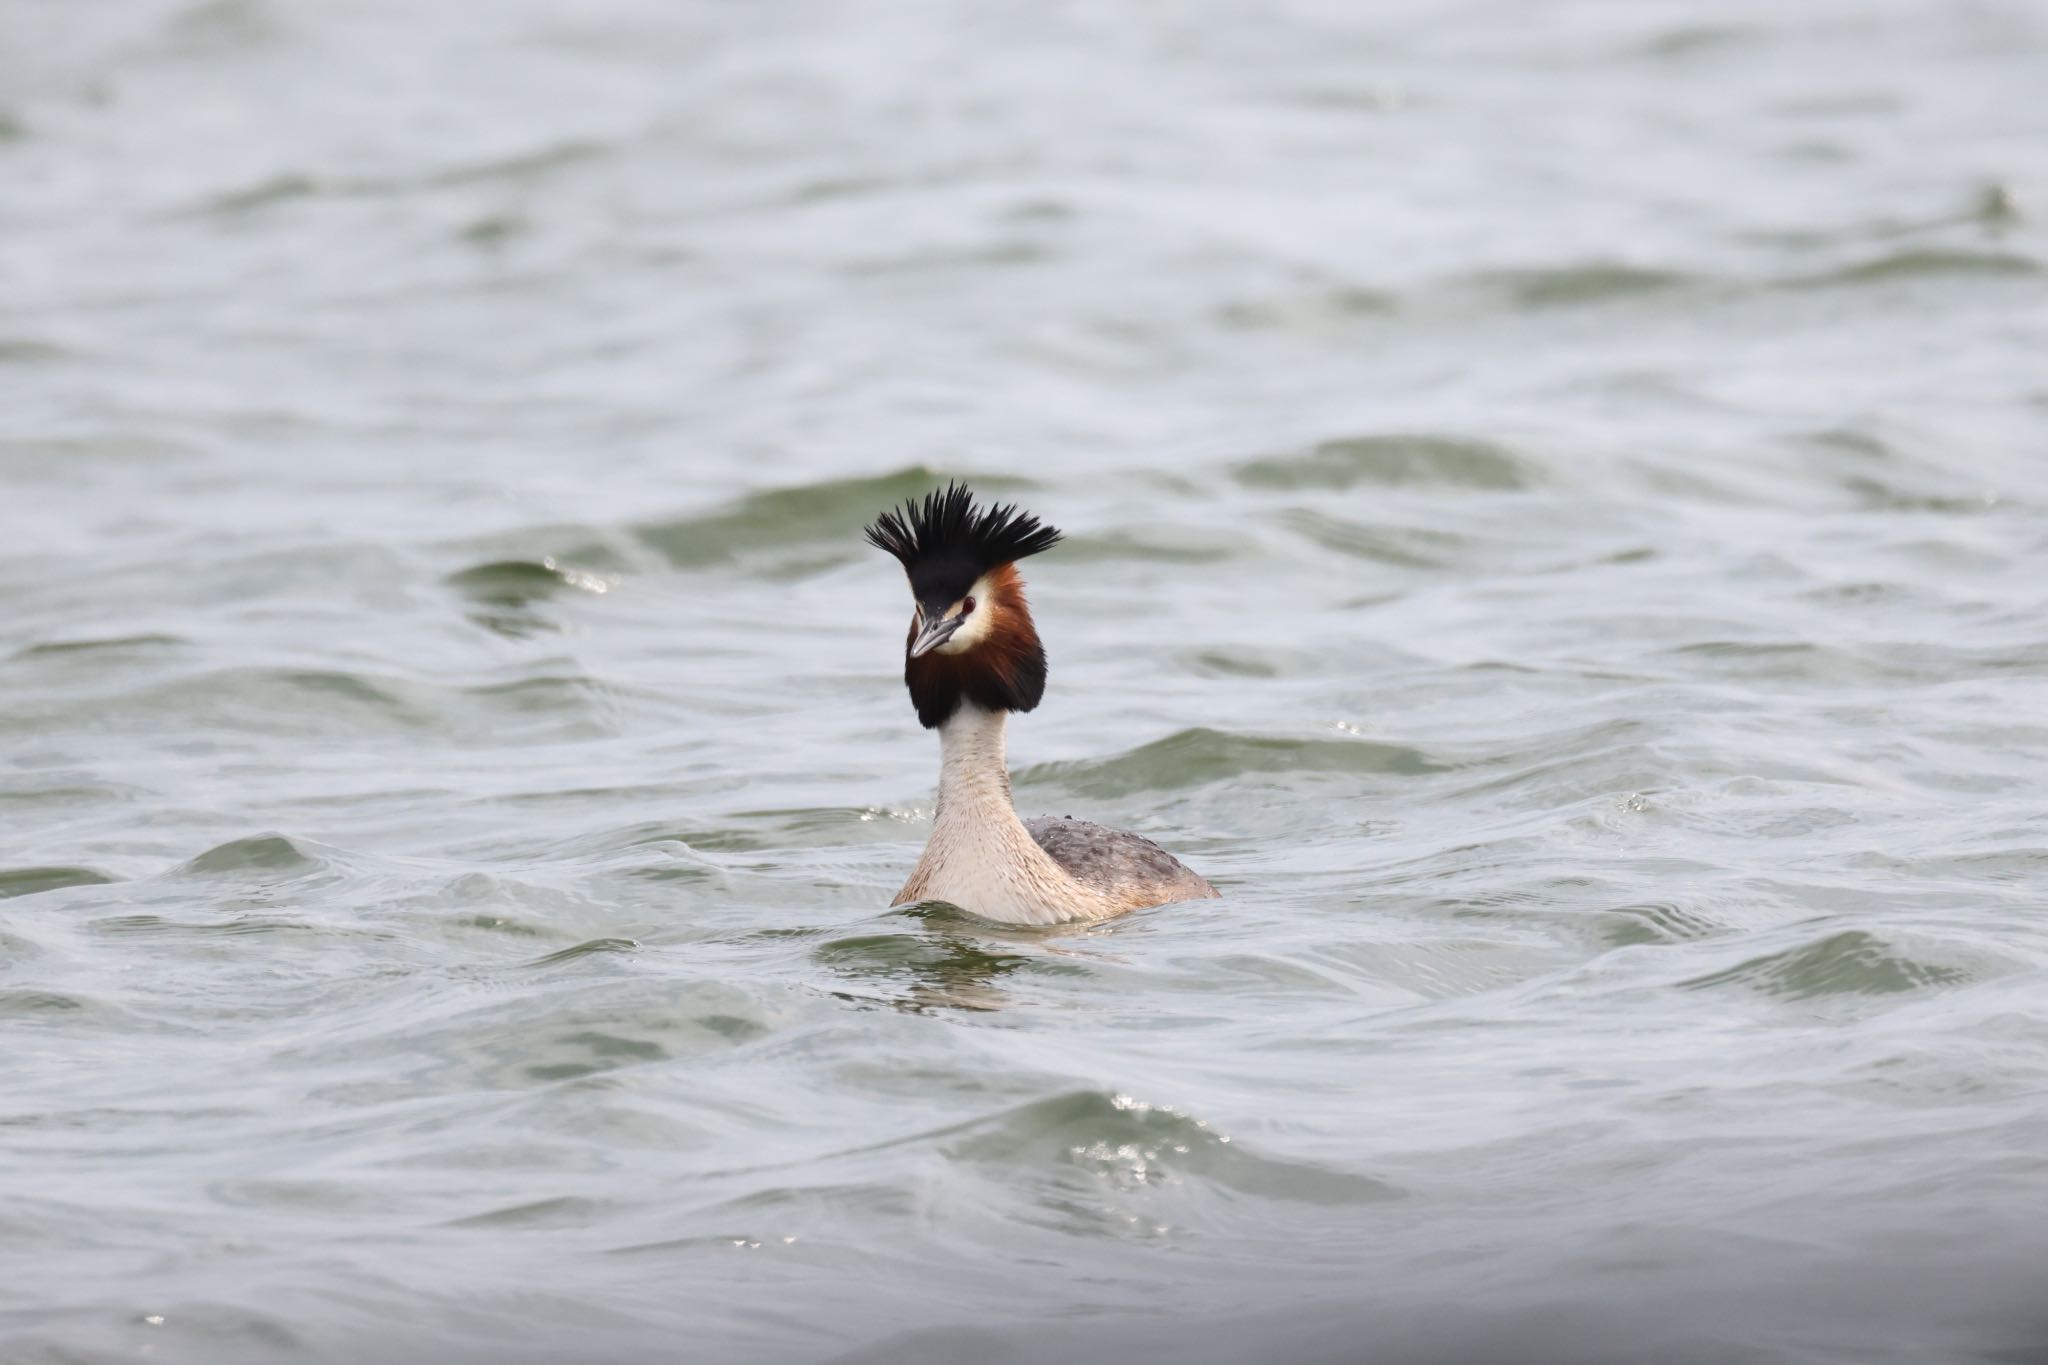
{"type": "Point", "coordinates": [974, 769]}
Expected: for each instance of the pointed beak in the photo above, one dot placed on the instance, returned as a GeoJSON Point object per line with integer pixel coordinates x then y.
{"type": "Point", "coordinates": [937, 630]}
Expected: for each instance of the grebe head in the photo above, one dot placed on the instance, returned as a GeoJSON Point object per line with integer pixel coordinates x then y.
{"type": "Point", "coordinates": [971, 635]}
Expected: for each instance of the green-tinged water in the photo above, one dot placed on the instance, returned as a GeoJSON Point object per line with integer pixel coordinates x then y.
{"type": "Point", "coordinates": [1555, 498]}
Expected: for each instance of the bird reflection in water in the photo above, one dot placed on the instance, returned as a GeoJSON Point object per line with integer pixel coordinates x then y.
{"type": "Point", "coordinates": [934, 956]}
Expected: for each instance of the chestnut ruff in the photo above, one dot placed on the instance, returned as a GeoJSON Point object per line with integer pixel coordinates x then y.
{"type": "Point", "coordinates": [1006, 672]}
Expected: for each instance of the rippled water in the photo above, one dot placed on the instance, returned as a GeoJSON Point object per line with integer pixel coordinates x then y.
{"type": "Point", "coordinates": [1556, 505]}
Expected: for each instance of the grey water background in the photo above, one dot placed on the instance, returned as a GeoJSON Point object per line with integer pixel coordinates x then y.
{"type": "Point", "coordinates": [1556, 507]}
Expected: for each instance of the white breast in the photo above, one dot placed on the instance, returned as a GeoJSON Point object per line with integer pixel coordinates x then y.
{"type": "Point", "coordinates": [980, 857]}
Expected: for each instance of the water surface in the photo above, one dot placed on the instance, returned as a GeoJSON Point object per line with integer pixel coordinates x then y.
{"type": "Point", "coordinates": [1555, 496]}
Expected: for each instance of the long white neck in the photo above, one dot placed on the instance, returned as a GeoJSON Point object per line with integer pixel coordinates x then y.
{"type": "Point", "coordinates": [980, 857]}
{"type": "Point", "coordinates": [974, 770]}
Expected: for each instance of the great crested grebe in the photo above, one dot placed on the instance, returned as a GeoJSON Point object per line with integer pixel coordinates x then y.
{"type": "Point", "coordinates": [972, 658]}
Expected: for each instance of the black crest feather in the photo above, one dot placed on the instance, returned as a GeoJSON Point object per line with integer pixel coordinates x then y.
{"type": "Point", "coordinates": [946, 527]}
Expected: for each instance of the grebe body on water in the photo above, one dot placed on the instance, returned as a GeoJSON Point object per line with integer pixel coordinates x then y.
{"type": "Point", "coordinates": [972, 657]}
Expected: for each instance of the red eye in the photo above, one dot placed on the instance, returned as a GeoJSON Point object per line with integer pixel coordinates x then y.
{"type": "Point", "coordinates": [967, 607]}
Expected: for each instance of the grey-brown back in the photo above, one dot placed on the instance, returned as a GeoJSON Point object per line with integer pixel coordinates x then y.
{"type": "Point", "coordinates": [1116, 862]}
